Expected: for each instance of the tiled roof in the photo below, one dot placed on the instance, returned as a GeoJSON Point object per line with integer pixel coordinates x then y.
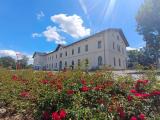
{"type": "Point", "coordinates": [39, 53]}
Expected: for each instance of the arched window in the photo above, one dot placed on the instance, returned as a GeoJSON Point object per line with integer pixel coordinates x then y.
{"type": "Point", "coordinates": [65, 63]}
{"type": "Point", "coordinates": [60, 65]}
{"type": "Point", "coordinates": [86, 61]}
{"type": "Point", "coordinates": [72, 64]}
{"type": "Point", "coordinates": [79, 62]}
{"type": "Point", "coordinates": [100, 61]}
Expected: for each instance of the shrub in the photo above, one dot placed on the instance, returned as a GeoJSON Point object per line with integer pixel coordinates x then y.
{"type": "Point", "coordinates": [77, 95]}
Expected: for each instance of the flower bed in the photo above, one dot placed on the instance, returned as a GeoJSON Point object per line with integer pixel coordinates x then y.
{"type": "Point", "coordinates": [80, 96]}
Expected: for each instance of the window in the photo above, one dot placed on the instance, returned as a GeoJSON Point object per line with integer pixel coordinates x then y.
{"type": "Point", "coordinates": [72, 64]}
{"type": "Point", "coordinates": [119, 62]}
{"type": "Point", "coordinates": [113, 45]}
{"type": "Point", "coordinates": [99, 44]}
{"type": "Point", "coordinates": [114, 61]}
{"type": "Point", "coordinates": [86, 48]}
{"type": "Point", "coordinates": [56, 65]}
{"type": "Point", "coordinates": [56, 55]}
{"type": "Point", "coordinates": [79, 62]}
{"type": "Point", "coordinates": [65, 63]}
{"type": "Point", "coordinates": [52, 65]}
{"type": "Point", "coordinates": [86, 61]}
{"type": "Point", "coordinates": [72, 51]}
{"type": "Point", "coordinates": [119, 48]}
{"type": "Point", "coordinates": [60, 65]}
{"type": "Point", "coordinates": [52, 58]}
{"type": "Point", "coordinates": [99, 61]}
{"type": "Point", "coordinates": [60, 54]}
{"type": "Point", "coordinates": [122, 50]}
{"type": "Point", "coordinates": [117, 37]}
{"type": "Point", "coordinates": [66, 53]}
{"type": "Point", "coordinates": [79, 49]}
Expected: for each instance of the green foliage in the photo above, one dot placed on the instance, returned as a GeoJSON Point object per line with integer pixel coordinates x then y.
{"type": "Point", "coordinates": [23, 62]}
{"type": "Point", "coordinates": [148, 19]}
{"type": "Point", "coordinates": [7, 62]}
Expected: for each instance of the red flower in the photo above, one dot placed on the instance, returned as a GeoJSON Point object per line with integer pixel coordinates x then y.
{"type": "Point", "coordinates": [58, 116]}
{"type": "Point", "coordinates": [142, 95]}
{"type": "Point", "coordinates": [129, 97]}
{"type": "Point", "coordinates": [133, 91]}
{"type": "Point", "coordinates": [145, 95]}
{"type": "Point", "coordinates": [59, 86]}
{"type": "Point", "coordinates": [155, 93]}
{"type": "Point", "coordinates": [138, 95]}
{"type": "Point", "coordinates": [99, 87]}
{"type": "Point", "coordinates": [70, 92]}
{"type": "Point", "coordinates": [46, 115]}
{"type": "Point", "coordinates": [142, 116]}
{"type": "Point", "coordinates": [62, 113]}
{"type": "Point", "coordinates": [83, 82]}
{"type": "Point", "coordinates": [14, 77]}
{"type": "Point", "coordinates": [84, 89]}
{"type": "Point", "coordinates": [133, 118]}
{"type": "Point", "coordinates": [121, 112]}
{"type": "Point", "coordinates": [44, 81]}
{"type": "Point", "coordinates": [24, 94]}
{"type": "Point", "coordinates": [55, 116]}
{"type": "Point", "coordinates": [143, 81]}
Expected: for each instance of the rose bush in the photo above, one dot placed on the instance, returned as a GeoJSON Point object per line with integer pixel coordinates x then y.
{"type": "Point", "coordinates": [75, 95]}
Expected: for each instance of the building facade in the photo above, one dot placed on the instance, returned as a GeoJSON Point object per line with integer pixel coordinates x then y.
{"type": "Point", "coordinates": [104, 48]}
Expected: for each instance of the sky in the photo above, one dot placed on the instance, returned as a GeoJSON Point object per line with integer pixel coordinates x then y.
{"type": "Point", "coordinates": [27, 26]}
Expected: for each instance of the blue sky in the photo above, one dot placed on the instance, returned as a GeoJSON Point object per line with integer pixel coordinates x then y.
{"type": "Point", "coordinates": [27, 26]}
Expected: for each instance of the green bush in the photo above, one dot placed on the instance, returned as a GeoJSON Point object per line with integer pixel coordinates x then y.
{"type": "Point", "coordinates": [75, 95]}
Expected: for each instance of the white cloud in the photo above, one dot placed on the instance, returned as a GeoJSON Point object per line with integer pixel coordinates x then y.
{"type": "Point", "coordinates": [35, 35]}
{"type": "Point", "coordinates": [14, 55]}
{"type": "Point", "coordinates": [40, 15]}
{"type": "Point", "coordinates": [11, 53]}
{"type": "Point", "coordinates": [72, 25]}
{"type": "Point", "coordinates": [130, 48]}
{"type": "Point", "coordinates": [52, 35]}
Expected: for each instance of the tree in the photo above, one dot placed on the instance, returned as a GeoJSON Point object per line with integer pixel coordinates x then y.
{"type": "Point", "coordinates": [136, 57]}
{"type": "Point", "coordinates": [7, 62]}
{"type": "Point", "coordinates": [30, 66]}
{"type": "Point", "coordinates": [23, 62]}
{"type": "Point", "coordinates": [148, 25]}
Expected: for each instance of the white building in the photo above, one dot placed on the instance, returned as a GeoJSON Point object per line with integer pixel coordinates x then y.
{"type": "Point", "coordinates": [104, 48]}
